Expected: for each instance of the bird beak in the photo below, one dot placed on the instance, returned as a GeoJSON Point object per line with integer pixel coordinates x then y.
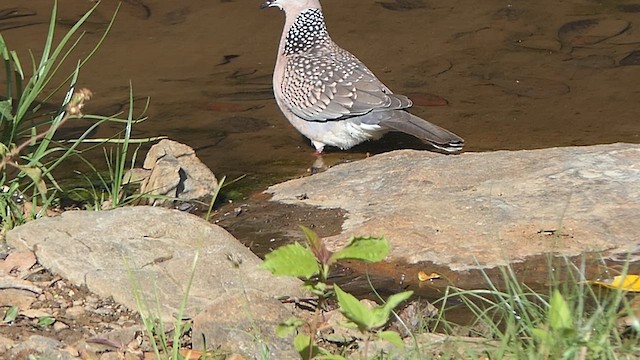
{"type": "Point", "coordinates": [266, 4]}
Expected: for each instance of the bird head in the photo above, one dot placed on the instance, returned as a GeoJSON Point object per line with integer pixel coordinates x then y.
{"type": "Point", "coordinates": [291, 5]}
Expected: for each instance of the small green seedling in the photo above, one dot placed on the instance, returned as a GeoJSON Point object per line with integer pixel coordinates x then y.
{"type": "Point", "coordinates": [312, 263]}
{"type": "Point", "coordinates": [368, 320]}
{"type": "Point", "coordinates": [45, 321]}
{"type": "Point", "coordinates": [11, 315]}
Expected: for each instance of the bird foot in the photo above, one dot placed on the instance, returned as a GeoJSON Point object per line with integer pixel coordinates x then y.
{"type": "Point", "coordinates": [318, 165]}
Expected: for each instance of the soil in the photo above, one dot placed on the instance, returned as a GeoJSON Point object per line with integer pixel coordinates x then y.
{"type": "Point", "coordinates": [75, 313]}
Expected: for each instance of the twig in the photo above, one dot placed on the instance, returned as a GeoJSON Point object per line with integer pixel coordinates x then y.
{"type": "Point", "coordinates": [73, 108]}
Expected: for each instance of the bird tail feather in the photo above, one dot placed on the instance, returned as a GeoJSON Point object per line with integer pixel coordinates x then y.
{"type": "Point", "coordinates": [435, 135]}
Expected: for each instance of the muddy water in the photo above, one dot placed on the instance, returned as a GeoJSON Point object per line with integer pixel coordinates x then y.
{"type": "Point", "coordinates": [505, 75]}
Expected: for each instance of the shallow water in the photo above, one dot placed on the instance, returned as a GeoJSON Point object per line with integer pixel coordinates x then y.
{"type": "Point", "coordinates": [516, 75]}
{"type": "Point", "coordinates": [505, 75]}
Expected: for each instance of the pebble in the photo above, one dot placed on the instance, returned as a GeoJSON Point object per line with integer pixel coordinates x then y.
{"type": "Point", "coordinates": [633, 58]}
{"type": "Point", "coordinates": [16, 297]}
{"type": "Point", "coordinates": [590, 31]}
{"type": "Point", "coordinates": [59, 326]}
{"type": "Point", "coordinates": [75, 312]}
{"type": "Point", "coordinates": [5, 344]}
{"type": "Point", "coordinates": [46, 347]}
{"type": "Point", "coordinates": [17, 262]}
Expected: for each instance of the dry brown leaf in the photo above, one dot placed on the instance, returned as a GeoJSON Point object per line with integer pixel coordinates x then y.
{"type": "Point", "coordinates": [422, 276]}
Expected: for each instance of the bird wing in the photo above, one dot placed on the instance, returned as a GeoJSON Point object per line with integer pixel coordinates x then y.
{"type": "Point", "coordinates": [329, 83]}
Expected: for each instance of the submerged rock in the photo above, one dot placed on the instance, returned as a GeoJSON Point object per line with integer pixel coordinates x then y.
{"type": "Point", "coordinates": [587, 32]}
{"type": "Point", "coordinates": [484, 209]}
{"type": "Point", "coordinates": [633, 58]}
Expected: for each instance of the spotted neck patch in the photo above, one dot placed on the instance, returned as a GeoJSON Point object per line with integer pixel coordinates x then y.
{"type": "Point", "coordinates": [307, 32]}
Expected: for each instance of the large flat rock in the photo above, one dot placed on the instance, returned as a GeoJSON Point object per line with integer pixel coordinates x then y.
{"type": "Point", "coordinates": [484, 209]}
{"type": "Point", "coordinates": [149, 249]}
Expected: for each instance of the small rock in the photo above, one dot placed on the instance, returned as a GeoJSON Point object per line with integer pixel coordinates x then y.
{"type": "Point", "coordinates": [36, 313]}
{"type": "Point", "coordinates": [112, 340]}
{"type": "Point", "coordinates": [91, 301]}
{"type": "Point", "coordinates": [590, 31]}
{"type": "Point", "coordinates": [112, 355]}
{"type": "Point", "coordinates": [59, 326]}
{"type": "Point", "coordinates": [633, 58]}
{"type": "Point", "coordinates": [45, 347]}
{"type": "Point", "coordinates": [10, 282]}
{"type": "Point", "coordinates": [412, 317]}
{"type": "Point", "coordinates": [244, 322]}
{"type": "Point", "coordinates": [629, 37]}
{"type": "Point", "coordinates": [75, 312]}
{"type": "Point", "coordinates": [5, 344]}
{"type": "Point", "coordinates": [176, 172]}
{"type": "Point", "coordinates": [72, 351]}
{"type": "Point", "coordinates": [629, 8]}
{"type": "Point", "coordinates": [595, 61]}
{"type": "Point", "coordinates": [17, 263]}
{"type": "Point", "coordinates": [17, 297]}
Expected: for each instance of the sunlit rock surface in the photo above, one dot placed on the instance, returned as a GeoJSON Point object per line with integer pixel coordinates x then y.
{"type": "Point", "coordinates": [150, 250]}
{"type": "Point", "coordinates": [485, 209]}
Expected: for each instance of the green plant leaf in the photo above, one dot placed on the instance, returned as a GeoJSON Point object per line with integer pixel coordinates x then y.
{"type": "Point", "coordinates": [316, 288]}
{"type": "Point", "coordinates": [379, 316]}
{"type": "Point", "coordinates": [286, 328]}
{"type": "Point", "coordinates": [3, 49]}
{"type": "Point", "coordinates": [392, 337]}
{"type": "Point", "coordinates": [36, 176]}
{"type": "Point", "coordinates": [396, 299]}
{"type": "Point", "coordinates": [301, 344]}
{"type": "Point", "coordinates": [291, 260]}
{"type": "Point", "coordinates": [10, 315]}
{"type": "Point", "coordinates": [559, 314]}
{"type": "Point", "coordinates": [365, 248]}
{"type": "Point", "coordinates": [365, 318]}
{"type": "Point", "coordinates": [46, 321]}
{"type": "Point", "coordinates": [186, 327]}
{"type": "Point", "coordinates": [541, 335]}
{"type": "Point", "coordinates": [318, 248]}
{"type": "Point", "coordinates": [5, 109]}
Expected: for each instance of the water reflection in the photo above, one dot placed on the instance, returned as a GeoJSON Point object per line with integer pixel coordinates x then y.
{"type": "Point", "coordinates": [525, 75]}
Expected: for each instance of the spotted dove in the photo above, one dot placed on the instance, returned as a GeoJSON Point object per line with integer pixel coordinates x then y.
{"type": "Point", "coordinates": [331, 97]}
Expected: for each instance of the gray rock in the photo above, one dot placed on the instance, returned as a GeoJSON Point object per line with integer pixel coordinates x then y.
{"type": "Point", "coordinates": [175, 171]}
{"type": "Point", "coordinates": [116, 340]}
{"type": "Point", "coordinates": [424, 345]}
{"type": "Point", "coordinates": [484, 209]}
{"type": "Point", "coordinates": [5, 344]}
{"type": "Point", "coordinates": [151, 251]}
{"type": "Point", "coordinates": [246, 324]}
{"type": "Point", "coordinates": [42, 346]}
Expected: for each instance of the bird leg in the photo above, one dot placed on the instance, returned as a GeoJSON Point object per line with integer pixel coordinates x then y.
{"type": "Point", "coordinates": [318, 165]}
